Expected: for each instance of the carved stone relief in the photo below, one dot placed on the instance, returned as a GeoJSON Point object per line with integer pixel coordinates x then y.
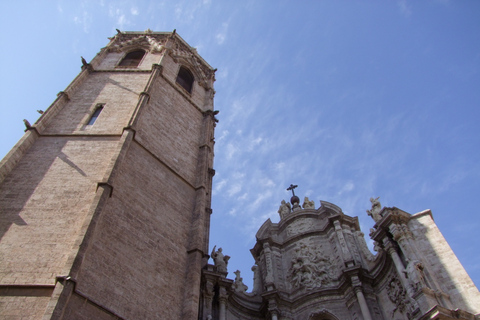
{"type": "Point", "coordinates": [398, 295]}
{"type": "Point", "coordinates": [154, 44]}
{"type": "Point", "coordinates": [309, 268]}
{"type": "Point", "coordinates": [363, 246]}
{"type": "Point", "coordinates": [299, 226]}
{"type": "Point", "coordinates": [268, 263]}
{"type": "Point", "coordinates": [336, 254]}
{"type": "Point", "coordinates": [279, 269]}
{"type": "Point", "coordinates": [353, 248]}
{"type": "Point", "coordinates": [180, 51]}
{"type": "Point", "coordinates": [341, 239]}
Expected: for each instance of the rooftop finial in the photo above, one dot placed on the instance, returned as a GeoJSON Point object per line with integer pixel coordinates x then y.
{"type": "Point", "coordinates": [294, 200]}
{"type": "Point", "coordinates": [292, 187]}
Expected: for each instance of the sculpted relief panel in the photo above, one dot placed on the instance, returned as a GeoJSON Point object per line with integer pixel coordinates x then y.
{"type": "Point", "coordinates": [299, 227]}
{"type": "Point", "coordinates": [397, 294]}
{"type": "Point", "coordinates": [310, 268]}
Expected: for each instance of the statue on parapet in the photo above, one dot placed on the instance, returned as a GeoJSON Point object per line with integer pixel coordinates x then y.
{"type": "Point", "coordinates": [284, 209]}
{"type": "Point", "coordinates": [220, 260]}
{"type": "Point", "coordinates": [308, 204]}
{"type": "Point", "coordinates": [374, 212]}
{"type": "Point", "coordinates": [238, 285]}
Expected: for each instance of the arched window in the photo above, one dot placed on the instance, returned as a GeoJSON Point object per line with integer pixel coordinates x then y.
{"type": "Point", "coordinates": [132, 59]}
{"type": "Point", "coordinates": [185, 79]}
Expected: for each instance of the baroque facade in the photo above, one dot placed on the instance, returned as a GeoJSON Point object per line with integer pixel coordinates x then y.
{"type": "Point", "coordinates": [315, 264]}
{"type": "Point", "coordinates": [105, 214]}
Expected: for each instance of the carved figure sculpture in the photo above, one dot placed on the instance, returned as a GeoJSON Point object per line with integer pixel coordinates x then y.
{"type": "Point", "coordinates": [397, 295]}
{"type": "Point", "coordinates": [415, 275]}
{"type": "Point", "coordinates": [374, 212]}
{"type": "Point", "coordinates": [256, 280]}
{"type": "Point", "coordinates": [376, 246]}
{"type": "Point", "coordinates": [309, 268]}
{"type": "Point", "coordinates": [307, 204]}
{"type": "Point", "coordinates": [284, 209]}
{"type": "Point", "coordinates": [220, 260]}
{"type": "Point", "coordinates": [238, 285]}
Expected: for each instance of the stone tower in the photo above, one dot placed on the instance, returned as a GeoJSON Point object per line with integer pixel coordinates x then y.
{"type": "Point", "coordinates": [314, 264]}
{"type": "Point", "coordinates": [105, 201]}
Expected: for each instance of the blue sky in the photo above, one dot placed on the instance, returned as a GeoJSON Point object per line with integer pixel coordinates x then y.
{"type": "Point", "coordinates": [347, 99]}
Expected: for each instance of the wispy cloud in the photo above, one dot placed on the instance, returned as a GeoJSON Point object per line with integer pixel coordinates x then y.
{"type": "Point", "coordinates": [405, 8]}
{"type": "Point", "coordinates": [234, 189]}
{"type": "Point", "coordinates": [85, 20]}
{"type": "Point", "coordinates": [120, 17]}
{"type": "Point", "coordinates": [222, 33]}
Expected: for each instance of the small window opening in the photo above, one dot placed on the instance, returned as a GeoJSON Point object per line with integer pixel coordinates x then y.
{"type": "Point", "coordinates": [185, 79]}
{"type": "Point", "coordinates": [95, 115]}
{"type": "Point", "coordinates": [132, 59]}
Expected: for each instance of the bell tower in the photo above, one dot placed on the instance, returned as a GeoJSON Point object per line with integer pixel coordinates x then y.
{"type": "Point", "coordinates": [105, 201]}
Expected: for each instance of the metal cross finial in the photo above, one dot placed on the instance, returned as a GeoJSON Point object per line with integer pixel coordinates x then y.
{"type": "Point", "coordinates": [292, 187]}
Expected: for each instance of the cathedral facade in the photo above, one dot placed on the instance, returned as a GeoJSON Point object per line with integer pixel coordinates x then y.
{"type": "Point", "coordinates": [105, 210]}
{"type": "Point", "coordinates": [315, 264]}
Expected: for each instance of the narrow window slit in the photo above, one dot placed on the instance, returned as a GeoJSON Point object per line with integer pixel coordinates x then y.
{"type": "Point", "coordinates": [95, 115]}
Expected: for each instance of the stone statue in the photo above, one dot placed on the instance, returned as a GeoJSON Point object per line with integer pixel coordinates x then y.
{"type": "Point", "coordinates": [376, 246]}
{"type": "Point", "coordinates": [415, 275]}
{"type": "Point", "coordinates": [220, 260]}
{"type": "Point", "coordinates": [238, 285]}
{"type": "Point", "coordinates": [256, 280]}
{"type": "Point", "coordinates": [375, 211]}
{"type": "Point", "coordinates": [307, 204]}
{"type": "Point", "coordinates": [285, 208]}
{"type": "Point", "coordinates": [27, 124]}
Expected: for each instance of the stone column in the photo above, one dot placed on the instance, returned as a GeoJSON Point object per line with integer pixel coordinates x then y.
{"type": "Point", "coordinates": [396, 260]}
{"type": "Point", "coordinates": [357, 286]}
{"type": "Point", "coordinates": [223, 303]}
{"type": "Point", "coordinates": [402, 235]}
{"type": "Point", "coordinates": [272, 307]}
{"type": "Point", "coordinates": [208, 294]}
{"type": "Point", "coordinates": [347, 256]}
{"type": "Point", "coordinates": [269, 264]}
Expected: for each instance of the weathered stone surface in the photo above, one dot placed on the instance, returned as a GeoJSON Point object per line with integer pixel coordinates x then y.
{"type": "Point", "coordinates": [117, 210]}
{"type": "Point", "coordinates": [314, 264]}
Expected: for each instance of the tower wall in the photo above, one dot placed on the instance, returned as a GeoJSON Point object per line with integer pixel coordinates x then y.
{"type": "Point", "coordinates": [443, 264]}
{"type": "Point", "coordinates": [137, 253]}
{"type": "Point", "coordinates": [111, 219]}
